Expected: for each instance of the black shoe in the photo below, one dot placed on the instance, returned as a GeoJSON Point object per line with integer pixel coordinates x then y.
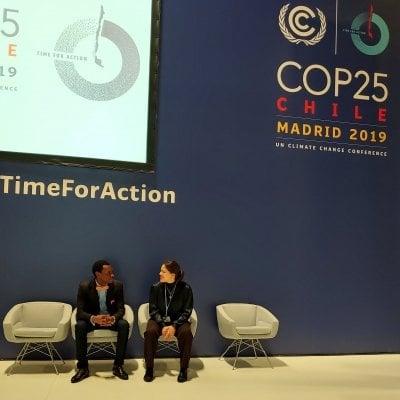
{"type": "Point", "coordinates": [148, 376]}
{"type": "Point", "coordinates": [182, 377]}
{"type": "Point", "coordinates": [80, 375]}
{"type": "Point", "coordinates": [119, 372]}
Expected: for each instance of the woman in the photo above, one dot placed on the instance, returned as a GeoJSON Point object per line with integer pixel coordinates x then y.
{"type": "Point", "coordinates": [170, 306]}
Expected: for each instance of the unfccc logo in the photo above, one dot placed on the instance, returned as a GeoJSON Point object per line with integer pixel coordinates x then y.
{"type": "Point", "coordinates": [301, 31]}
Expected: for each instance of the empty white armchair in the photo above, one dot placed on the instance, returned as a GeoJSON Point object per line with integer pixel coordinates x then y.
{"type": "Point", "coordinates": [246, 324]}
{"type": "Point", "coordinates": [103, 340]}
{"type": "Point", "coordinates": [37, 324]}
{"type": "Point", "coordinates": [172, 344]}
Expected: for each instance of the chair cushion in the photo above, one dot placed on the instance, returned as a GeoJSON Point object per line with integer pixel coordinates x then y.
{"type": "Point", "coordinates": [253, 330]}
{"type": "Point", "coordinates": [35, 332]}
{"type": "Point", "coordinates": [102, 333]}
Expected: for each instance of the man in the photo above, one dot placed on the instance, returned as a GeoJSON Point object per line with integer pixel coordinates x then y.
{"type": "Point", "coordinates": [100, 305]}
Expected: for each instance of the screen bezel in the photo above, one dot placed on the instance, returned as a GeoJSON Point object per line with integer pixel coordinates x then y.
{"type": "Point", "coordinates": [149, 164]}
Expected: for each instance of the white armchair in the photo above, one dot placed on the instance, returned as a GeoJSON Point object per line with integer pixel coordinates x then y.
{"type": "Point", "coordinates": [103, 340]}
{"type": "Point", "coordinates": [246, 324]}
{"type": "Point", "coordinates": [37, 325]}
{"type": "Point", "coordinates": [172, 344]}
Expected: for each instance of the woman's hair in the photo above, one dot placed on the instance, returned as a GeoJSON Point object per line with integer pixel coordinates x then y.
{"type": "Point", "coordinates": [174, 268]}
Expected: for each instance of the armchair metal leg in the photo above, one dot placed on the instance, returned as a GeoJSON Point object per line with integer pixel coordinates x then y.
{"type": "Point", "coordinates": [235, 344]}
{"type": "Point", "coordinates": [107, 347]}
{"type": "Point", "coordinates": [258, 346]}
{"type": "Point", "coordinates": [19, 357]}
{"type": "Point", "coordinates": [51, 349]}
{"type": "Point", "coordinates": [168, 345]}
{"type": "Point", "coordinates": [241, 345]}
{"type": "Point", "coordinates": [54, 350]}
{"type": "Point", "coordinates": [46, 348]}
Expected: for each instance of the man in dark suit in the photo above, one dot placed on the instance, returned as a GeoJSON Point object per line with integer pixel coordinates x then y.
{"type": "Point", "coordinates": [100, 305]}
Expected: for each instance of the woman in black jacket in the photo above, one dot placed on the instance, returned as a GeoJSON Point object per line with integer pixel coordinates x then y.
{"type": "Point", "coordinates": [170, 307]}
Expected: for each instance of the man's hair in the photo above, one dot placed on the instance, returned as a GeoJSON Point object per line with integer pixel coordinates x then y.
{"type": "Point", "coordinates": [98, 266]}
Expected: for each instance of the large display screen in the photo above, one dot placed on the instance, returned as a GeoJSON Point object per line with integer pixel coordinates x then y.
{"type": "Point", "coordinates": [78, 82]}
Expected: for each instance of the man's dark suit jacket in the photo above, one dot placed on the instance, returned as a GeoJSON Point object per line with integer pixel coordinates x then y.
{"type": "Point", "coordinates": [88, 300]}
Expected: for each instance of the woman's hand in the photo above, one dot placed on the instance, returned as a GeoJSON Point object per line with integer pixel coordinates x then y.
{"type": "Point", "coordinates": [167, 332]}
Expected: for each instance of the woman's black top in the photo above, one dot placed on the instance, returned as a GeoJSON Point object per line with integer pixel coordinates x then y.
{"type": "Point", "coordinates": [170, 303]}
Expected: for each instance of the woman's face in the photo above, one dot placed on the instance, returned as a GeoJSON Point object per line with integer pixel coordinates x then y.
{"type": "Point", "coordinates": [165, 275]}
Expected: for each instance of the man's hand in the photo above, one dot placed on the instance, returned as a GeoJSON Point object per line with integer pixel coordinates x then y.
{"type": "Point", "coordinates": [104, 320]}
{"type": "Point", "coordinates": [110, 320]}
{"type": "Point", "coordinates": [167, 332]}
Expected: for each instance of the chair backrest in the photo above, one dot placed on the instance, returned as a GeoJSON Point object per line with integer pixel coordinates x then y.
{"type": "Point", "coordinates": [144, 315]}
{"type": "Point", "coordinates": [243, 314]}
{"type": "Point", "coordinates": [41, 314]}
{"type": "Point", "coordinates": [130, 317]}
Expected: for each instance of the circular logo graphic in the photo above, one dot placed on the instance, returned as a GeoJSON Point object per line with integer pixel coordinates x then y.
{"type": "Point", "coordinates": [300, 21]}
{"type": "Point", "coordinates": [84, 30]}
{"type": "Point", "coordinates": [371, 35]}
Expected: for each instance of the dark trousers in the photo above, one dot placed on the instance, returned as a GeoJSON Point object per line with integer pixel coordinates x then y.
{"type": "Point", "coordinates": [82, 328]}
{"type": "Point", "coordinates": [153, 332]}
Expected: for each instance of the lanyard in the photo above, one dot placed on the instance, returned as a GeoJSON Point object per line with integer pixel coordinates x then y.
{"type": "Point", "coordinates": [167, 304]}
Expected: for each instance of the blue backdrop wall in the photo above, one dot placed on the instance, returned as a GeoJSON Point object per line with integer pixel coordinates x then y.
{"type": "Point", "coordinates": [260, 215]}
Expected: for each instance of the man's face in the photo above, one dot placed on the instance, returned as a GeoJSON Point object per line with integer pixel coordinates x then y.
{"type": "Point", "coordinates": [106, 275]}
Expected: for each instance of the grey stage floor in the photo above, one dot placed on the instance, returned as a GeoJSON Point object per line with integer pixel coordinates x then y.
{"type": "Point", "coordinates": [362, 377]}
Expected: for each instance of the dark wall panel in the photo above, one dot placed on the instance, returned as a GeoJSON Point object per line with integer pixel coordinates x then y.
{"type": "Point", "coordinates": [314, 236]}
